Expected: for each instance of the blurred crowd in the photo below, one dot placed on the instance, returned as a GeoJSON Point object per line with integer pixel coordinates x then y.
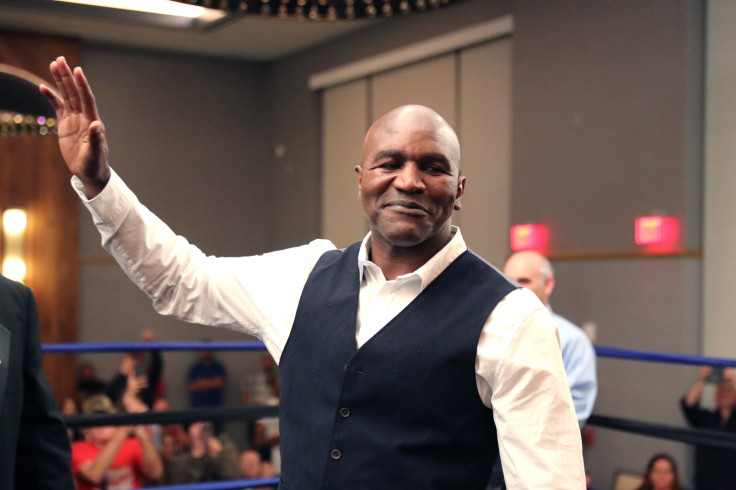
{"type": "Point", "coordinates": [149, 455]}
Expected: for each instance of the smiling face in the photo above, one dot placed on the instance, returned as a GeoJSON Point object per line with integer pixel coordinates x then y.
{"type": "Point", "coordinates": [409, 179]}
{"type": "Point", "coordinates": [662, 475]}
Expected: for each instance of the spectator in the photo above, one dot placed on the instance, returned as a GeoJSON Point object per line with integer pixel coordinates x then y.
{"type": "Point", "coordinates": [114, 457]}
{"type": "Point", "coordinates": [88, 383]}
{"type": "Point", "coordinates": [251, 467]}
{"type": "Point", "coordinates": [257, 386]}
{"type": "Point", "coordinates": [661, 474]}
{"type": "Point", "coordinates": [714, 467]}
{"type": "Point", "coordinates": [151, 363]}
{"type": "Point", "coordinates": [250, 464]}
{"type": "Point", "coordinates": [266, 434]}
{"type": "Point", "coordinates": [34, 446]}
{"type": "Point", "coordinates": [170, 447]}
{"type": "Point", "coordinates": [206, 381]}
{"type": "Point", "coordinates": [209, 458]}
{"type": "Point", "coordinates": [175, 430]}
{"type": "Point", "coordinates": [148, 371]}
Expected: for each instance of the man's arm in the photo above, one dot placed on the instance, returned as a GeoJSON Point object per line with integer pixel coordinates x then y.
{"type": "Point", "coordinates": [521, 376]}
{"type": "Point", "coordinates": [693, 394]}
{"type": "Point", "coordinates": [210, 383]}
{"type": "Point", "coordinates": [152, 465]}
{"type": "Point", "coordinates": [43, 454]}
{"type": "Point", "coordinates": [258, 295]}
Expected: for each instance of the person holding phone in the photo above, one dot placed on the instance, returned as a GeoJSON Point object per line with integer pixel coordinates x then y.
{"type": "Point", "coordinates": [714, 468]}
{"type": "Point", "coordinates": [209, 458]}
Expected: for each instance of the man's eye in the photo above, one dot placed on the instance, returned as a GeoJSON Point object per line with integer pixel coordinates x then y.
{"type": "Point", "coordinates": [390, 165]}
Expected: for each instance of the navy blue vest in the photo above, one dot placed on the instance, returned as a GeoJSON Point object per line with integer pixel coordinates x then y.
{"type": "Point", "coordinates": [403, 411]}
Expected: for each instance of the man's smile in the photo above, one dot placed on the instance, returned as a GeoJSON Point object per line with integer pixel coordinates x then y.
{"type": "Point", "coordinates": [406, 207]}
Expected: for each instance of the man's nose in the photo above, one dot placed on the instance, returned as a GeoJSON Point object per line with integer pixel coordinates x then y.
{"type": "Point", "coordinates": [409, 179]}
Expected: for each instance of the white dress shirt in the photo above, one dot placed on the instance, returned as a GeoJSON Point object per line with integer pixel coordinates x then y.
{"type": "Point", "coordinates": [519, 370]}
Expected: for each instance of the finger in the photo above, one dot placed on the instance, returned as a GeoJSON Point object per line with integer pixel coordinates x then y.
{"type": "Point", "coordinates": [97, 136]}
{"type": "Point", "coordinates": [86, 97]}
{"type": "Point", "coordinates": [55, 68]}
{"type": "Point", "coordinates": [70, 86]}
{"type": "Point", "coordinates": [53, 98]}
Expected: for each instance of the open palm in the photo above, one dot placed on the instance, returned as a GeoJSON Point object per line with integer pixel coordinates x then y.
{"type": "Point", "coordinates": [80, 130]}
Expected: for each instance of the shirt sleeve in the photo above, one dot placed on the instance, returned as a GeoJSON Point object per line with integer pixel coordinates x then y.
{"type": "Point", "coordinates": [257, 295]}
{"type": "Point", "coordinates": [521, 377]}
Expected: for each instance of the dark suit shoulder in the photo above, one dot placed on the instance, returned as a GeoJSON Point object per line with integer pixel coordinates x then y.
{"type": "Point", "coordinates": [13, 290]}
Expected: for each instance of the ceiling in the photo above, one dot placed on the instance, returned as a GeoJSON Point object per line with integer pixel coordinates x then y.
{"type": "Point", "coordinates": [251, 38]}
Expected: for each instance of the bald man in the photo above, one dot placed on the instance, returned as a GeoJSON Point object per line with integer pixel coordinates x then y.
{"type": "Point", "coordinates": [533, 271]}
{"type": "Point", "coordinates": [406, 361]}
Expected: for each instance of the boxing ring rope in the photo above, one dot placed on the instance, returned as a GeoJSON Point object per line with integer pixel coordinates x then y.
{"type": "Point", "coordinates": [147, 346]}
{"type": "Point", "coordinates": [601, 351]}
{"type": "Point", "coordinates": [679, 434]}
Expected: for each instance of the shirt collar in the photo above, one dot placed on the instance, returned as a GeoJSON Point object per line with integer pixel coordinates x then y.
{"type": "Point", "coordinates": [430, 270]}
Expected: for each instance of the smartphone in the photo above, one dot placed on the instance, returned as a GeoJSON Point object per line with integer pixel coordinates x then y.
{"type": "Point", "coordinates": [716, 376]}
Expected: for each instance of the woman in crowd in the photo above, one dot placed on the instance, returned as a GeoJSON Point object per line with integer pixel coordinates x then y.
{"type": "Point", "coordinates": [661, 474]}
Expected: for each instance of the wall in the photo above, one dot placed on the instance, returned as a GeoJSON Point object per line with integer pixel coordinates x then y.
{"type": "Point", "coordinates": [606, 127]}
{"type": "Point", "coordinates": [190, 136]}
{"type": "Point", "coordinates": [719, 271]}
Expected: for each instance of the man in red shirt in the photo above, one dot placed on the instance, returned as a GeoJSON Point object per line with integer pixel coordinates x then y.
{"type": "Point", "coordinates": [113, 457]}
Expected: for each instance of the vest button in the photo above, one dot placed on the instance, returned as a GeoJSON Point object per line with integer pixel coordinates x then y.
{"type": "Point", "coordinates": [344, 412]}
{"type": "Point", "coordinates": [336, 454]}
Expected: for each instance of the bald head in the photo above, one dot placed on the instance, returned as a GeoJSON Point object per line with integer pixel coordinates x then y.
{"type": "Point", "coordinates": [418, 119]}
{"type": "Point", "coordinates": [533, 271]}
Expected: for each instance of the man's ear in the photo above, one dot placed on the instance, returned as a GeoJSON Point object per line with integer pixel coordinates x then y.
{"type": "Point", "coordinates": [549, 286]}
{"type": "Point", "coordinates": [459, 192]}
{"type": "Point", "coordinates": [359, 171]}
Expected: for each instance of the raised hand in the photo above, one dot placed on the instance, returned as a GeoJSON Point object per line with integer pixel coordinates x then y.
{"type": "Point", "coordinates": [81, 132]}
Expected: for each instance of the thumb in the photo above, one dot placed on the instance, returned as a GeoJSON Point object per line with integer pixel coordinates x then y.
{"type": "Point", "coordinates": [96, 135]}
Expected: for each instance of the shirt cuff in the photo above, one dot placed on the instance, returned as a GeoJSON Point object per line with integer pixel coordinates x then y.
{"type": "Point", "coordinates": [110, 207]}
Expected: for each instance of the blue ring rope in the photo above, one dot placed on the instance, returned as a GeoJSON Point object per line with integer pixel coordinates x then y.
{"type": "Point", "coordinates": [602, 351]}
{"type": "Point", "coordinates": [72, 348]}
{"type": "Point", "coordinates": [651, 356]}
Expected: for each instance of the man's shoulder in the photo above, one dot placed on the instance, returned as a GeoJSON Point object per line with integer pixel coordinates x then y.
{"type": "Point", "coordinates": [11, 288]}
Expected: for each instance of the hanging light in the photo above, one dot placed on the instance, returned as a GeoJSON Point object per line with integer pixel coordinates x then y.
{"type": "Point", "coordinates": [14, 233]}
{"type": "Point", "coordinates": [317, 10]}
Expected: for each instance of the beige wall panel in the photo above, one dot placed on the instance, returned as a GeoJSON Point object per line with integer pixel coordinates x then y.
{"type": "Point", "coordinates": [719, 266]}
{"type": "Point", "coordinates": [431, 83]}
{"type": "Point", "coordinates": [343, 130]}
{"type": "Point", "coordinates": [485, 127]}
